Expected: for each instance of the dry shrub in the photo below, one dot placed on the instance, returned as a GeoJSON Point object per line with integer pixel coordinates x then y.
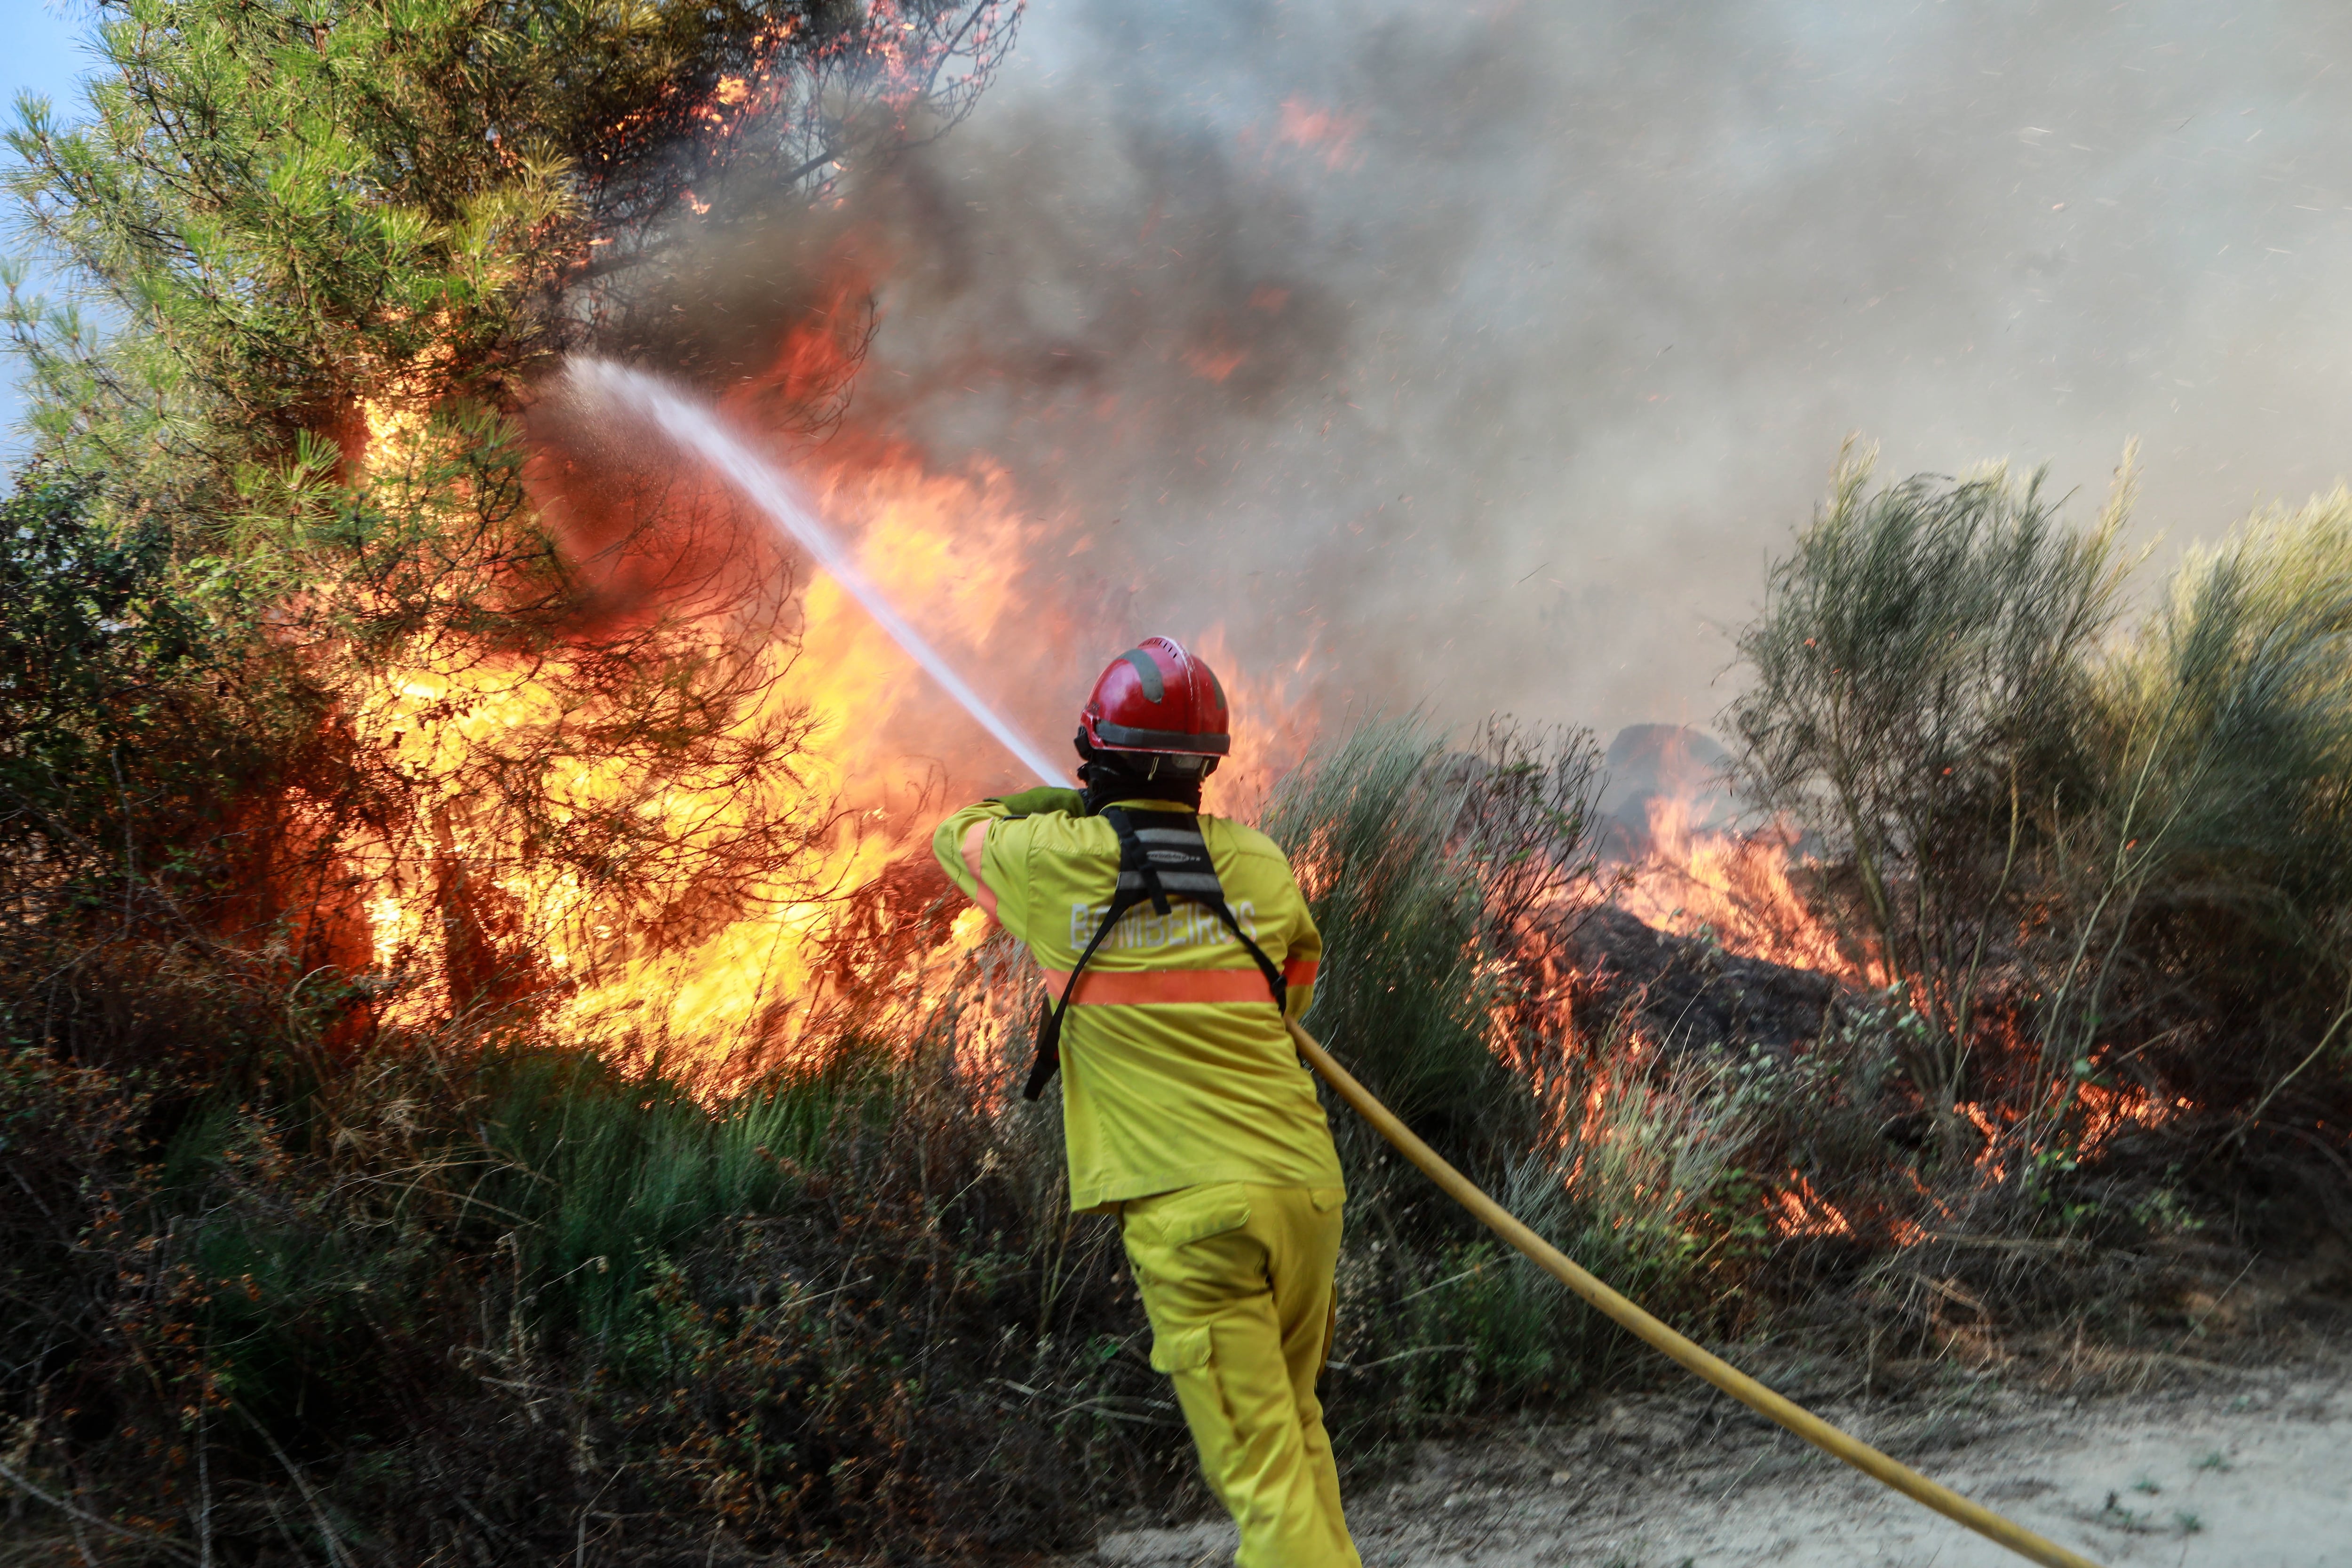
{"type": "Point", "coordinates": [2105, 871]}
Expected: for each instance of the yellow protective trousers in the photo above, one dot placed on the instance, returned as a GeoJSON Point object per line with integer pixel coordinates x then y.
{"type": "Point", "coordinates": [1236, 1279]}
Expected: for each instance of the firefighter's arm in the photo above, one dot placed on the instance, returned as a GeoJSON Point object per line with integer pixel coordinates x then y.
{"type": "Point", "coordinates": [1301, 962]}
{"type": "Point", "coordinates": [983, 849]}
{"type": "Point", "coordinates": [1045, 798]}
{"type": "Point", "coordinates": [958, 844]}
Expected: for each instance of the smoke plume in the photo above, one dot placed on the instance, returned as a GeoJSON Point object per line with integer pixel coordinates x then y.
{"type": "Point", "coordinates": [1480, 357]}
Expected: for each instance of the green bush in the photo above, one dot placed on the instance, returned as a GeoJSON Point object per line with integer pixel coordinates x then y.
{"type": "Point", "coordinates": [2214, 875]}
{"type": "Point", "coordinates": [1920, 674]}
{"type": "Point", "coordinates": [2100, 865]}
{"type": "Point", "coordinates": [1441, 882]}
{"type": "Point", "coordinates": [1370, 827]}
{"type": "Point", "coordinates": [407, 1297]}
{"type": "Point", "coordinates": [333, 247]}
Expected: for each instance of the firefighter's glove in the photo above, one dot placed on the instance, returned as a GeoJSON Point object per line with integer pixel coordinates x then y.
{"type": "Point", "coordinates": [1045, 798]}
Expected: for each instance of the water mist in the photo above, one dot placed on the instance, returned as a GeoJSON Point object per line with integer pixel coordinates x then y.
{"type": "Point", "coordinates": [696, 427]}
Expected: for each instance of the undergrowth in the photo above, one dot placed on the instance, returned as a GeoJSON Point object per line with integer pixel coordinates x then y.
{"type": "Point", "coordinates": [280, 1282]}
{"type": "Point", "coordinates": [477, 1293]}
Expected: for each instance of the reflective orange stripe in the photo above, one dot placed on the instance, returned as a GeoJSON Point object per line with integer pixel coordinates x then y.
{"type": "Point", "coordinates": [1149, 987]}
{"type": "Point", "coordinates": [1299, 972]}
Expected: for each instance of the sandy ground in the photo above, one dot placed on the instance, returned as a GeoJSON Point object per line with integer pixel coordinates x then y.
{"type": "Point", "coordinates": [2219, 1472]}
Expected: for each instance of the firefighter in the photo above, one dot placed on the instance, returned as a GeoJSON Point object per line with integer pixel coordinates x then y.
{"type": "Point", "coordinates": [1174, 943]}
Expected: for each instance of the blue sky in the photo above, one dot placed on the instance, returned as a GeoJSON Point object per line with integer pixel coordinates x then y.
{"type": "Point", "coordinates": [45, 54]}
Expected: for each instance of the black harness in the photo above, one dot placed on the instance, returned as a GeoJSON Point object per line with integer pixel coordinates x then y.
{"type": "Point", "coordinates": [1168, 857]}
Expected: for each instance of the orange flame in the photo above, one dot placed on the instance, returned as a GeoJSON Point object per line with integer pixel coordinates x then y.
{"type": "Point", "coordinates": [458, 909]}
{"type": "Point", "coordinates": [1735, 888]}
{"type": "Point", "coordinates": [950, 544]}
{"type": "Point", "coordinates": [1799, 1210]}
{"type": "Point", "coordinates": [1328, 133]}
{"type": "Point", "coordinates": [2108, 1112]}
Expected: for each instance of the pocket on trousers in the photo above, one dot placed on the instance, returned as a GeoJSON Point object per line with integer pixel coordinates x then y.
{"type": "Point", "coordinates": [1194, 1215]}
{"type": "Point", "coordinates": [1186, 1350]}
{"type": "Point", "coordinates": [1326, 1199]}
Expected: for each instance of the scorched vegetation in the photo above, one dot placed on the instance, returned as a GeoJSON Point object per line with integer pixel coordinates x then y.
{"type": "Point", "coordinates": [390, 825]}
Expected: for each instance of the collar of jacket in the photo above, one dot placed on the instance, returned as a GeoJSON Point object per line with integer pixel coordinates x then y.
{"type": "Point", "coordinates": [1155, 806]}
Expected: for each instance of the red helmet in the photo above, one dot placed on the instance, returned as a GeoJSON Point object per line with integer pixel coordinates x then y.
{"type": "Point", "coordinates": [1155, 697]}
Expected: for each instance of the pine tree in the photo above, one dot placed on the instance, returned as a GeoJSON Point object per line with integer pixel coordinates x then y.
{"type": "Point", "coordinates": [331, 246]}
{"type": "Point", "coordinates": [295, 207]}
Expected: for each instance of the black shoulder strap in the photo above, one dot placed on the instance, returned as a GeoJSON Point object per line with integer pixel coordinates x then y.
{"type": "Point", "coordinates": [1153, 862]}
{"type": "Point", "coordinates": [1173, 857]}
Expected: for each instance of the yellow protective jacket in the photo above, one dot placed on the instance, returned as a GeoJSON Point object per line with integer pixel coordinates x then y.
{"type": "Point", "coordinates": [1176, 1068]}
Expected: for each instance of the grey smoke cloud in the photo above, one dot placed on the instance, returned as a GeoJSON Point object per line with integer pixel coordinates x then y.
{"type": "Point", "coordinates": [1486, 353]}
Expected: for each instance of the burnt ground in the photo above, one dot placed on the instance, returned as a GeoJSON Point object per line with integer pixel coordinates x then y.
{"type": "Point", "coordinates": [1690, 993]}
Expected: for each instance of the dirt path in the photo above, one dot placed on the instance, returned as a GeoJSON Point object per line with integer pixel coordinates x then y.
{"type": "Point", "coordinates": [2237, 1471]}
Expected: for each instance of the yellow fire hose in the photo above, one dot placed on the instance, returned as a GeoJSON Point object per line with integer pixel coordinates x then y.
{"type": "Point", "coordinates": [1713, 1368]}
